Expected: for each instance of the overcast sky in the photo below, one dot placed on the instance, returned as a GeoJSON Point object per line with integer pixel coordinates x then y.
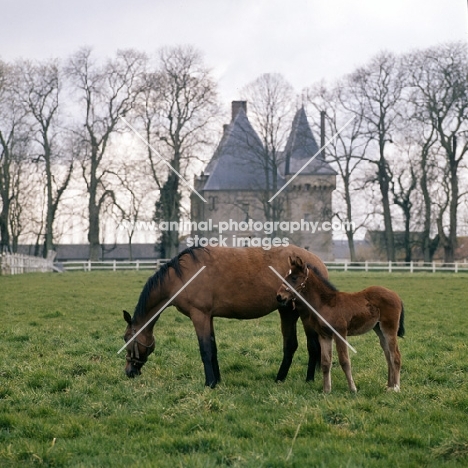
{"type": "Point", "coordinates": [305, 40]}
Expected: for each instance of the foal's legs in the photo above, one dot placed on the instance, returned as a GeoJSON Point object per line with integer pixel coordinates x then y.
{"type": "Point", "coordinates": [384, 346]}
{"type": "Point", "coordinates": [388, 342]}
{"type": "Point", "coordinates": [343, 357]}
{"type": "Point", "coordinates": [326, 345]}
{"type": "Point", "coordinates": [289, 330]}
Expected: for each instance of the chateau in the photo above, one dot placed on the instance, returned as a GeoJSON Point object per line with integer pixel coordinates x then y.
{"type": "Point", "coordinates": [241, 179]}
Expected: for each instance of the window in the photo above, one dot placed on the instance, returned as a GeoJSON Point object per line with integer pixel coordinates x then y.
{"type": "Point", "coordinates": [213, 201]}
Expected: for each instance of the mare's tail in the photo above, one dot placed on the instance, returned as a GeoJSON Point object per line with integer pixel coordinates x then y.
{"type": "Point", "coordinates": [401, 327]}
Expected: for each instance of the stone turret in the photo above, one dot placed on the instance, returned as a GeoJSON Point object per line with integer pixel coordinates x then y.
{"type": "Point", "coordinates": [234, 182]}
{"type": "Point", "coordinates": [310, 192]}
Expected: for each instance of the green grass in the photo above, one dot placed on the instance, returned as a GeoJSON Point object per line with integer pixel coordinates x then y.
{"type": "Point", "coordinates": [65, 401]}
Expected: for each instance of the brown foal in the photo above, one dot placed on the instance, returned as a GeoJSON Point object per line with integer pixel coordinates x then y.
{"type": "Point", "coordinates": [350, 314]}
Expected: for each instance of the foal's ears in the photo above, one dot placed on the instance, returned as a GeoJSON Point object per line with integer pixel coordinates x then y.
{"type": "Point", "coordinates": [127, 317]}
{"type": "Point", "coordinates": [296, 261]}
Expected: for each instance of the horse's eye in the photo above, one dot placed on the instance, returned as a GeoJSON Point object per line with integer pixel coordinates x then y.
{"type": "Point", "coordinates": [294, 278]}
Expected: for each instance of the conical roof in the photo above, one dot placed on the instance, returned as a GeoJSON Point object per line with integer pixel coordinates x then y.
{"type": "Point", "coordinates": [238, 161]}
{"type": "Point", "coordinates": [301, 147]}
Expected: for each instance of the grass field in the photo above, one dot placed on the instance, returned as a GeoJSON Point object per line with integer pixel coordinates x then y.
{"type": "Point", "coordinates": [65, 401]}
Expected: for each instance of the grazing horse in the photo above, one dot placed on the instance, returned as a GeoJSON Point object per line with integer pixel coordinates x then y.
{"type": "Point", "coordinates": [235, 283]}
{"type": "Point", "coordinates": [350, 314]}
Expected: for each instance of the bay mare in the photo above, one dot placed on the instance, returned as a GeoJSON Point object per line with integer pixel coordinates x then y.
{"type": "Point", "coordinates": [236, 283]}
{"type": "Point", "coordinates": [349, 314]}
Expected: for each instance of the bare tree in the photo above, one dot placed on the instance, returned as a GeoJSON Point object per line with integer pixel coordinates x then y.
{"type": "Point", "coordinates": [346, 151]}
{"type": "Point", "coordinates": [439, 78]}
{"type": "Point", "coordinates": [403, 186]}
{"type": "Point", "coordinates": [376, 91]}
{"type": "Point", "coordinates": [420, 138]}
{"type": "Point", "coordinates": [133, 201]}
{"type": "Point", "coordinates": [177, 106]}
{"type": "Point", "coordinates": [106, 92]}
{"type": "Point", "coordinates": [39, 91]}
{"type": "Point", "coordinates": [14, 141]}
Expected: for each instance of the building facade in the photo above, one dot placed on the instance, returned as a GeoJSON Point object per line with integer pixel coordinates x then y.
{"type": "Point", "coordinates": [255, 198]}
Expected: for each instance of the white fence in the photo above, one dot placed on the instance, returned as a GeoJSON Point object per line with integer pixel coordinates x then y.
{"type": "Point", "coordinates": [390, 267]}
{"type": "Point", "coordinates": [15, 264]}
{"type": "Point", "coordinates": [113, 265]}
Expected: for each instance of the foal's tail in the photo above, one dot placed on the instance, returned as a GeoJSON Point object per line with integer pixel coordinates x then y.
{"type": "Point", "coordinates": [401, 327]}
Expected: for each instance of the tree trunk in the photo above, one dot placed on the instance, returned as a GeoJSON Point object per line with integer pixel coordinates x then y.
{"type": "Point", "coordinates": [349, 213]}
{"type": "Point", "coordinates": [426, 234]}
{"type": "Point", "coordinates": [453, 206]}
{"type": "Point", "coordinates": [5, 197]}
{"type": "Point", "coordinates": [93, 212]}
{"type": "Point", "coordinates": [384, 190]}
{"type": "Point", "coordinates": [4, 231]}
{"type": "Point", "coordinates": [168, 210]}
{"type": "Point", "coordinates": [49, 233]}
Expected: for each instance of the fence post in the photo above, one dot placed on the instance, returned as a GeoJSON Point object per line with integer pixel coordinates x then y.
{"type": "Point", "coordinates": [138, 265]}
{"type": "Point", "coordinates": [89, 265]}
{"type": "Point", "coordinates": [411, 266]}
{"type": "Point", "coordinates": [433, 267]}
{"type": "Point", "coordinates": [346, 265]}
{"type": "Point", "coordinates": [114, 265]}
{"type": "Point", "coordinates": [390, 266]}
{"type": "Point", "coordinates": [367, 266]}
{"type": "Point", "coordinates": [456, 267]}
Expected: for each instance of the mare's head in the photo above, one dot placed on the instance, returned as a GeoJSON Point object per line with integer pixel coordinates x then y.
{"type": "Point", "coordinates": [296, 277]}
{"type": "Point", "coordinates": [138, 348]}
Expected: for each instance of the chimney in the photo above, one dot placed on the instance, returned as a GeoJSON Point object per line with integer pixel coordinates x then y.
{"type": "Point", "coordinates": [236, 106]}
{"type": "Point", "coordinates": [322, 133]}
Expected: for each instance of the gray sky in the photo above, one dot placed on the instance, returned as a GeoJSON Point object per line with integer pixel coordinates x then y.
{"type": "Point", "coordinates": [305, 40]}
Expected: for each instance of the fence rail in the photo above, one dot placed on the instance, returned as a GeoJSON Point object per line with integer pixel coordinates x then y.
{"type": "Point", "coordinates": [15, 264]}
{"type": "Point", "coordinates": [11, 264]}
{"type": "Point", "coordinates": [390, 267]}
{"type": "Point", "coordinates": [113, 265]}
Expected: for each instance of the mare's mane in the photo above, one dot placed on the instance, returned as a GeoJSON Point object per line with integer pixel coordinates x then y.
{"type": "Point", "coordinates": [158, 278]}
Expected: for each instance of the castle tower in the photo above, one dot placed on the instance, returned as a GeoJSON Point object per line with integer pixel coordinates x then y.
{"type": "Point", "coordinates": [310, 193]}
{"type": "Point", "coordinates": [233, 179]}
{"type": "Point", "coordinates": [234, 183]}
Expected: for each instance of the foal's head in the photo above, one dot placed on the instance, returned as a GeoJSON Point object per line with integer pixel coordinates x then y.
{"type": "Point", "coordinates": [139, 348]}
{"type": "Point", "coordinates": [296, 277]}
